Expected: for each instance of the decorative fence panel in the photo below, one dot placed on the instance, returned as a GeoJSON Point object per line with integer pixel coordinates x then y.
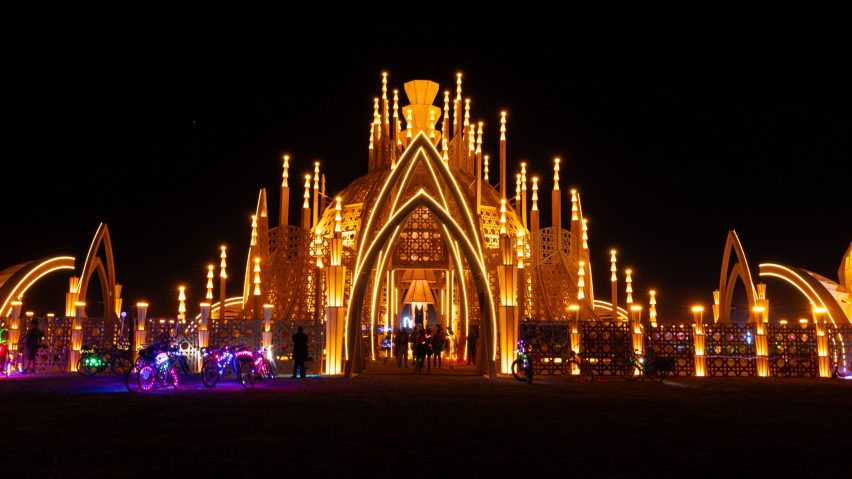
{"type": "Point", "coordinates": [282, 343]}
{"type": "Point", "coordinates": [57, 339]}
{"type": "Point", "coordinates": [232, 332]}
{"type": "Point", "coordinates": [606, 345]}
{"type": "Point", "coordinates": [550, 344]}
{"type": "Point", "coordinates": [793, 350]}
{"type": "Point", "coordinates": [670, 341]}
{"type": "Point", "coordinates": [730, 350]}
{"type": "Point", "coordinates": [840, 348]}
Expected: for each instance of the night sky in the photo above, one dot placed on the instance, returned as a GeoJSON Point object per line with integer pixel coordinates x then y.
{"type": "Point", "coordinates": [167, 129]}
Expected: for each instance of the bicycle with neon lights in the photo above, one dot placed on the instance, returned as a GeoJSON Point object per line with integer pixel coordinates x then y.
{"type": "Point", "coordinates": [5, 367]}
{"type": "Point", "coordinates": [163, 371]}
{"type": "Point", "coordinates": [94, 360]}
{"type": "Point", "coordinates": [264, 365]}
{"type": "Point", "coordinates": [218, 362]}
{"type": "Point", "coordinates": [637, 368]}
{"type": "Point", "coordinates": [522, 366]}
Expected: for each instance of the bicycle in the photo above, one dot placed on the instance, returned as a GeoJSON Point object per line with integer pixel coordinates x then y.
{"type": "Point", "coordinates": [163, 371]}
{"type": "Point", "coordinates": [217, 362]}
{"type": "Point", "coordinates": [94, 360]}
{"type": "Point", "coordinates": [265, 367]}
{"type": "Point", "coordinates": [522, 366]}
{"type": "Point", "coordinates": [635, 368]}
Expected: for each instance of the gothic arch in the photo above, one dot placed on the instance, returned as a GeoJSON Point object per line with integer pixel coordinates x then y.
{"type": "Point", "coordinates": [388, 233]}
{"type": "Point", "coordinates": [728, 280]}
{"type": "Point", "coordinates": [105, 270]}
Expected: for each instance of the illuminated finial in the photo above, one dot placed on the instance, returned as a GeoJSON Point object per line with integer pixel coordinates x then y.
{"type": "Point", "coordinates": [253, 230]}
{"type": "Point", "coordinates": [257, 276]}
{"type": "Point", "coordinates": [535, 193]}
{"type": "Point", "coordinates": [223, 273]}
{"type": "Point", "coordinates": [316, 175]}
{"type": "Point", "coordinates": [556, 173]}
{"type": "Point", "coordinates": [502, 126]}
{"type": "Point", "coordinates": [446, 104]}
{"type": "Point", "coordinates": [629, 281]}
{"type": "Point", "coordinates": [395, 104]}
{"type": "Point", "coordinates": [372, 130]}
{"type": "Point", "coordinates": [517, 187]}
{"type": "Point", "coordinates": [612, 267]}
{"type": "Point", "coordinates": [457, 102]}
{"type": "Point", "coordinates": [337, 216]}
{"type": "Point", "coordinates": [286, 174]}
{"type": "Point", "coordinates": [318, 250]}
{"type": "Point", "coordinates": [523, 176]}
{"type": "Point", "coordinates": [458, 86]}
{"type": "Point", "coordinates": [431, 124]}
{"type": "Point", "coordinates": [409, 122]}
{"type": "Point", "coordinates": [574, 209]}
{"type": "Point", "coordinates": [445, 150]}
{"type": "Point", "coordinates": [306, 205]}
{"type": "Point", "coordinates": [385, 95]}
{"type": "Point", "coordinates": [485, 169]}
{"type": "Point", "coordinates": [652, 309]}
{"type": "Point", "coordinates": [479, 139]}
{"type": "Point", "coordinates": [581, 280]}
{"type": "Point", "coordinates": [503, 216]}
{"type": "Point", "coordinates": [471, 136]}
{"type": "Point", "coordinates": [466, 112]}
{"type": "Point", "coordinates": [181, 302]}
{"type": "Point", "coordinates": [585, 234]}
{"type": "Point", "coordinates": [377, 118]}
{"type": "Point", "coordinates": [209, 295]}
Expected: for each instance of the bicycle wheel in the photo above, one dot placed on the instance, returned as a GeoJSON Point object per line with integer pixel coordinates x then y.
{"type": "Point", "coordinates": [120, 364]}
{"type": "Point", "coordinates": [209, 373]}
{"type": "Point", "coordinates": [630, 372]}
{"type": "Point", "coordinates": [85, 367]}
{"type": "Point", "coordinates": [173, 376]}
{"type": "Point", "coordinates": [146, 377]}
{"type": "Point", "coordinates": [267, 372]}
{"type": "Point", "coordinates": [518, 370]}
{"type": "Point", "coordinates": [248, 374]}
{"type": "Point", "coordinates": [659, 375]}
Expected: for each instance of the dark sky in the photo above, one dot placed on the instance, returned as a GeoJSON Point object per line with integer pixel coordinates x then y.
{"type": "Point", "coordinates": [166, 129]}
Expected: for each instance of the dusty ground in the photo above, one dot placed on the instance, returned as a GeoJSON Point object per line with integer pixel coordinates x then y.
{"type": "Point", "coordinates": [386, 424]}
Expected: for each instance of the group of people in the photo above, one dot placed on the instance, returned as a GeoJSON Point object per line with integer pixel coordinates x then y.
{"type": "Point", "coordinates": [428, 345]}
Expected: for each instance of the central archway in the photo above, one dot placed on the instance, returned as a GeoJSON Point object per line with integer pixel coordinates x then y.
{"type": "Point", "coordinates": [388, 233]}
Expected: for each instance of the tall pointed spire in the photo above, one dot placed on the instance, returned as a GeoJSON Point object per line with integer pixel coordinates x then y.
{"type": "Point", "coordinates": [535, 193]}
{"type": "Point", "coordinates": [457, 105]}
{"type": "Point", "coordinates": [284, 203]}
{"type": "Point", "coordinates": [385, 112]}
{"type": "Point", "coordinates": [396, 121]}
{"type": "Point", "coordinates": [581, 281]}
{"type": "Point", "coordinates": [574, 209]}
{"type": "Point", "coordinates": [524, 193]}
{"type": "Point", "coordinates": [209, 295]}
{"type": "Point", "coordinates": [253, 241]}
{"type": "Point", "coordinates": [629, 281]}
{"type": "Point", "coordinates": [306, 205]}
{"type": "Point", "coordinates": [503, 153]}
{"type": "Point", "coordinates": [316, 194]}
{"type": "Point", "coordinates": [445, 127]}
{"type": "Point", "coordinates": [337, 214]}
{"type": "Point", "coordinates": [503, 216]}
{"type": "Point", "coordinates": [652, 308]}
{"type": "Point", "coordinates": [485, 169]}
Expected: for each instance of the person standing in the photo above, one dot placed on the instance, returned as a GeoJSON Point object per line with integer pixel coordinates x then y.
{"type": "Point", "coordinates": [32, 342]}
{"type": "Point", "coordinates": [438, 345]}
{"type": "Point", "coordinates": [300, 353]}
{"type": "Point", "coordinates": [471, 347]}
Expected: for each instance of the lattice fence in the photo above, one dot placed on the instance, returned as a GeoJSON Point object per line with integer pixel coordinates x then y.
{"type": "Point", "coordinates": [606, 345]}
{"type": "Point", "coordinates": [57, 339]}
{"type": "Point", "coordinates": [729, 350]}
{"type": "Point", "coordinates": [676, 342]}
{"type": "Point", "coordinates": [840, 348]}
{"type": "Point", "coordinates": [793, 350]}
{"type": "Point", "coordinates": [550, 344]}
{"type": "Point", "coordinates": [232, 332]}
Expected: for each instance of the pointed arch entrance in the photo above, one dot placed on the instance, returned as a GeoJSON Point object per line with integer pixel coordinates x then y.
{"type": "Point", "coordinates": [389, 233]}
{"type": "Point", "coordinates": [728, 279]}
{"type": "Point", "coordinates": [105, 268]}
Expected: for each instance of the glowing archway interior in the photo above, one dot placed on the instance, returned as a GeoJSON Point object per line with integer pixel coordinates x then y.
{"type": "Point", "coordinates": [810, 287]}
{"type": "Point", "coordinates": [16, 280]}
{"type": "Point", "coordinates": [390, 230]}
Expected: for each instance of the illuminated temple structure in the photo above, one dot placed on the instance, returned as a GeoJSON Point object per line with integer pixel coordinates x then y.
{"type": "Point", "coordinates": [435, 228]}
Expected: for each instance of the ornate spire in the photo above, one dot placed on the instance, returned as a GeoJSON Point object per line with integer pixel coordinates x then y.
{"type": "Point", "coordinates": [337, 216]}
{"type": "Point", "coordinates": [209, 295]}
{"type": "Point", "coordinates": [385, 99]}
{"type": "Point", "coordinates": [629, 281]}
{"type": "Point", "coordinates": [502, 126]}
{"type": "Point", "coordinates": [485, 169]}
{"type": "Point", "coordinates": [286, 174]}
{"type": "Point", "coordinates": [535, 193]}
{"type": "Point", "coordinates": [517, 190]}
{"type": "Point", "coordinates": [574, 209]}
{"type": "Point", "coordinates": [556, 173]}
{"type": "Point", "coordinates": [409, 123]}
{"type": "Point", "coordinates": [581, 281]}
{"type": "Point", "coordinates": [612, 267]}
{"type": "Point", "coordinates": [182, 302]}
{"type": "Point", "coordinates": [223, 264]}
{"type": "Point", "coordinates": [458, 102]}
{"type": "Point", "coordinates": [253, 230]}
{"type": "Point", "coordinates": [503, 216]}
{"type": "Point", "coordinates": [585, 234]}
{"type": "Point", "coordinates": [377, 118]}
{"type": "Point", "coordinates": [307, 204]}
{"type": "Point", "coordinates": [467, 112]}
{"type": "Point", "coordinates": [652, 308]}
{"type": "Point", "coordinates": [479, 139]}
{"type": "Point", "coordinates": [256, 276]}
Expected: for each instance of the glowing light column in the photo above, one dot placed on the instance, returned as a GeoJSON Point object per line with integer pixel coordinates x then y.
{"type": "Point", "coordinates": [284, 211]}
{"type": "Point", "coordinates": [556, 207]}
{"type": "Point", "coordinates": [203, 329]}
{"type": "Point", "coordinates": [503, 191]}
{"type": "Point", "coordinates": [507, 276]}
{"type": "Point", "coordinates": [76, 336]}
{"type": "Point", "coordinates": [335, 310]}
{"type": "Point", "coordinates": [14, 328]}
{"type": "Point", "coordinates": [139, 333]}
{"type": "Point", "coordinates": [636, 328]}
{"type": "Point", "coordinates": [306, 205]}
{"type": "Point", "coordinates": [575, 332]}
{"type": "Point", "coordinates": [698, 339]}
{"type": "Point", "coordinates": [266, 335]}
{"type": "Point", "coordinates": [822, 342]}
{"type": "Point", "coordinates": [223, 276]}
{"type": "Point", "coordinates": [652, 308]}
{"type": "Point", "coordinates": [614, 280]}
{"type": "Point", "coordinates": [761, 341]}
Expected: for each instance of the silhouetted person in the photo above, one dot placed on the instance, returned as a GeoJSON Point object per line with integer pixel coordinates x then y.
{"type": "Point", "coordinates": [32, 342]}
{"type": "Point", "coordinates": [300, 353]}
{"type": "Point", "coordinates": [471, 347]}
{"type": "Point", "coordinates": [401, 341]}
{"type": "Point", "coordinates": [438, 345]}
